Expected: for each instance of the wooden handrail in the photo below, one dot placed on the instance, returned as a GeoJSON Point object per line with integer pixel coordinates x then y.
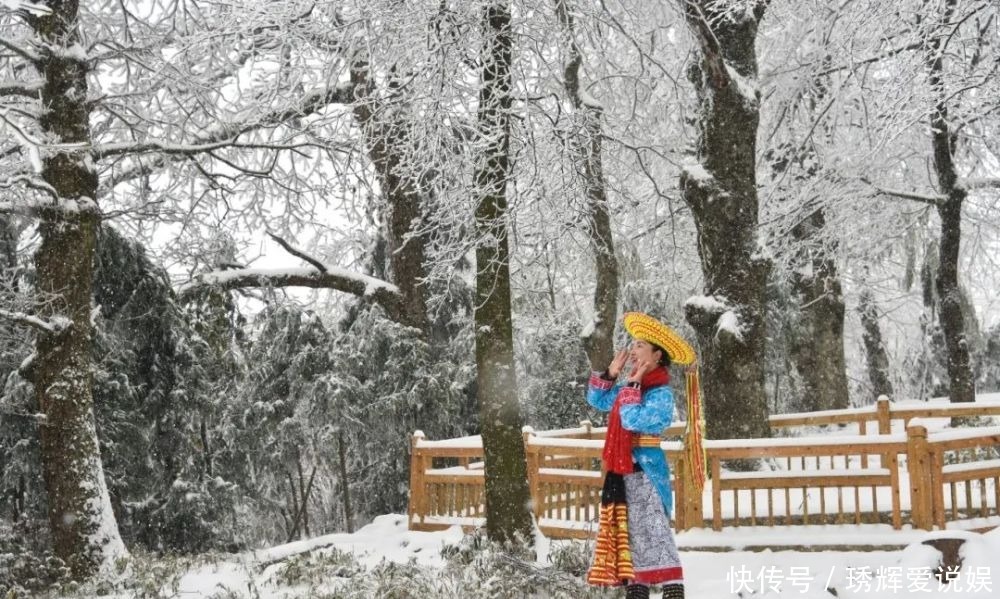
{"type": "Point", "coordinates": [565, 478]}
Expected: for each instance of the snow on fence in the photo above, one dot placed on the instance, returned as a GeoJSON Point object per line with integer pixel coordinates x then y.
{"type": "Point", "coordinates": [910, 476]}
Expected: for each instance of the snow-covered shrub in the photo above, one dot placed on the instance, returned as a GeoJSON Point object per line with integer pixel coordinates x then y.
{"type": "Point", "coordinates": [154, 388]}
{"type": "Point", "coordinates": [553, 377]}
{"type": "Point", "coordinates": [23, 569]}
{"type": "Point", "coordinates": [315, 569]}
{"type": "Point", "coordinates": [387, 381]}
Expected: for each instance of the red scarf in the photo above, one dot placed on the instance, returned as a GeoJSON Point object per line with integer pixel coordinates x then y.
{"type": "Point", "coordinates": [618, 441]}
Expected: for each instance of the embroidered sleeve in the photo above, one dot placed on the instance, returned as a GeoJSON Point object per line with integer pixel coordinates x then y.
{"type": "Point", "coordinates": [599, 380]}
{"type": "Point", "coordinates": [601, 392]}
{"type": "Point", "coordinates": [652, 414]}
{"type": "Point", "coordinates": [630, 395]}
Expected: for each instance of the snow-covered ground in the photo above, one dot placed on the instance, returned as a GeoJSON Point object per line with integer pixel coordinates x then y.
{"type": "Point", "coordinates": [275, 574]}
{"type": "Point", "coordinates": [411, 564]}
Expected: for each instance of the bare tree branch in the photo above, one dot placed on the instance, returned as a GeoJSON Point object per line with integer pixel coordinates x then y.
{"type": "Point", "coordinates": [298, 253]}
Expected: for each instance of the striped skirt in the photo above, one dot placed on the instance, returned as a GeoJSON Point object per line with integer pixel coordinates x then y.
{"type": "Point", "coordinates": [635, 544]}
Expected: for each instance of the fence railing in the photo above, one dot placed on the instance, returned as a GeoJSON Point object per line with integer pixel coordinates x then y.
{"type": "Point", "coordinates": [907, 477]}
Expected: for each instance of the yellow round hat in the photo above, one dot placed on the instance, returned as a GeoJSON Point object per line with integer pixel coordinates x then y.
{"type": "Point", "coordinates": [646, 328]}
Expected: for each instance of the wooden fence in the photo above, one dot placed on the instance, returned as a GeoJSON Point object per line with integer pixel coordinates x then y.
{"type": "Point", "coordinates": [906, 477]}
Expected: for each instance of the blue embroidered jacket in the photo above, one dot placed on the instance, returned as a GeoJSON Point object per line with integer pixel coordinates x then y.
{"type": "Point", "coordinates": [650, 416]}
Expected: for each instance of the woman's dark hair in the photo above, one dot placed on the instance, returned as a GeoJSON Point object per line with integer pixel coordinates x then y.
{"type": "Point", "coordinates": [664, 356]}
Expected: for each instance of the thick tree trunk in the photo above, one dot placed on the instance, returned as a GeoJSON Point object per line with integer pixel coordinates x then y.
{"type": "Point", "coordinates": [508, 511]}
{"type": "Point", "coordinates": [386, 137]}
{"type": "Point", "coordinates": [875, 356]}
{"type": "Point", "coordinates": [599, 342]}
{"type": "Point", "coordinates": [84, 531]}
{"type": "Point", "coordinates": [818, 343]}
{"type": "Point", "coordinates": [961, 383]}
{"type": "Point", "coordinates": [722, 194]}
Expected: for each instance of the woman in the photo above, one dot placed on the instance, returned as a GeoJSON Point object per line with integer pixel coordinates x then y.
{"type": "Point", "coordinates": [635, 545]}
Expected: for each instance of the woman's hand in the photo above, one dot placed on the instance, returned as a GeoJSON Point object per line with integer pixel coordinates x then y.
{"type": "Point", "coordinates": [639, 370]}
{"type": "Point", "coordinates": [615, 368]}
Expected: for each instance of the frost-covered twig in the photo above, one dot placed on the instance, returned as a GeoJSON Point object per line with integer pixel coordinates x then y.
{"type": "Point", "coordinates": [979, 183]}
{"type": "Point", "coordinates": [933, 200]}
{"type": "Point", "coordinates": [30, 182]}
{"type": "Point", "coordinates": [20, 50]}
{"type": "Point", "coordinates": [219, 137]}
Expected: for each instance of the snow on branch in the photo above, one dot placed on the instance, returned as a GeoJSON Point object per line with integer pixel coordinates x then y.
{"type": "Point", "coordinates": [21, 50]}
{"type": "Point", "coordinates": [931, 199]}
{"type": "Point", "coordinates": [980, 183]}
{"type": "Point", "coordinates": [32, 8]}
{"type": "Point", "coordinates": [64, 208]}
{"type": "Point", "coordinates": [705, 311]}
{"type": "Point", "coordinates": [168, 148]}
{"type": "Point", "coordinates": [746, 86]}
{"type": "Point", "coordinates": [707, 304]}
{"type": "Point", "coordinates": [696, 173]}
{"type": "Point", "coordinates": [30, 182]}
{"type": "Point", "coordinates": [335, 278]}
{"type": "Point", "coordinates": [729, 324]}
{"type": "Point", "coordinates": [28, 89]}
{"type": "Point", "coordinates": [55, 325]}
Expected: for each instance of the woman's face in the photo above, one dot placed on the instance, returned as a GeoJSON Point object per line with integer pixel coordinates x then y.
{"type": "Point", "coordinates": [643, 351]}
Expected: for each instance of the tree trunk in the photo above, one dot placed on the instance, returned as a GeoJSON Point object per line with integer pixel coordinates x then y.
{"type": "Point", "coordinates": [507, 499]}
{"type": "Point", "coordinates": [84, 531]}
{"type": "Point", "coordinates": [721, 192]}
{"type": "Point", "coordinates": [8, 247]}
{"type": "Point", "coordinates": [818, 343]}
{"type": "Point", "coordinates": [342, 456]}
{"type": "Point", "coordinates": [386, 137]}
{"type": "Point", "coordinates": [961, 384]}
{"type": "Point", "coordinates": [875, 356]}
{"type": "Point", "coordinates": [599, 342]}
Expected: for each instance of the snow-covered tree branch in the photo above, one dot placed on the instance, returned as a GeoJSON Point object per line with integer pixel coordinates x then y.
{"type": "Point", "coordinates": [54, 325]}
{"type": "Point", "coordinates": [331, 277]}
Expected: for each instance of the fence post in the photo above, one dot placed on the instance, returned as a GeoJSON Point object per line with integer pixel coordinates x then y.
{"type": "Point", "coordinates": [417, 504]}
{"type": "Point", "coordinates": [679, 488]}
{"type": "Point", "coordinates": [884, 422]}
{"type": "Point", "coordinates": [690, 511]}
{"type": "Point", "coordinates": [531, 453]}
{"type": "Point", "coordinates": [588, 432]}
{"type": "Point", "coordinates": [918, 465]}
{"type": "Point", "coordinates": [937, 492]}
{"type": "Point", "coordinates": [884, 409]}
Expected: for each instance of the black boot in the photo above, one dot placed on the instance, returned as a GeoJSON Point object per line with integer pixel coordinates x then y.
{"type": "Point", "coordinates": [637, 591]}
{"type": "Point", "coordinates": [673, 591]}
